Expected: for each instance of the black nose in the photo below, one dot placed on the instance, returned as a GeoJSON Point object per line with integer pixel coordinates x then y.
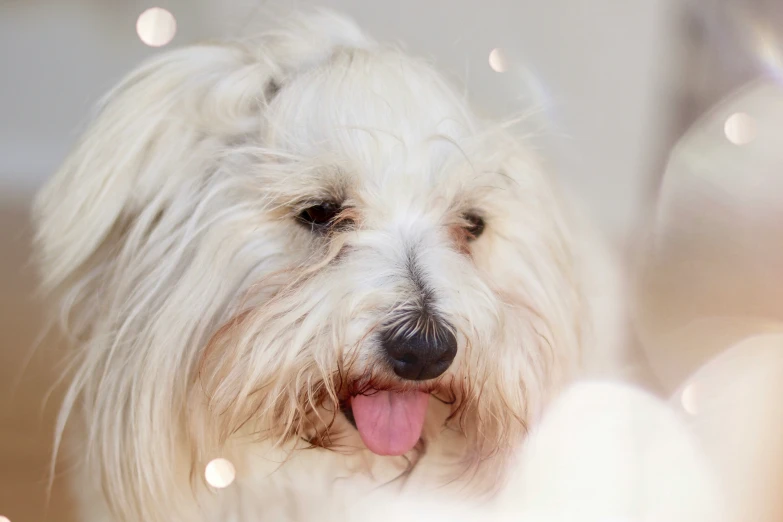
{"type": "Point", "coordinates": [418, 354]}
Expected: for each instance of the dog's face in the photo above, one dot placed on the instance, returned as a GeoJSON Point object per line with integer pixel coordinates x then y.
{"type": "Point", "coordinates": [343, 244]}
{"type": "Point", "coordinates": [415, 256]}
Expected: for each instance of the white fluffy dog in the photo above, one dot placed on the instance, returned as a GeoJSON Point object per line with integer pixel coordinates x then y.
{"type": "Point", "coordinates": [304, 253]}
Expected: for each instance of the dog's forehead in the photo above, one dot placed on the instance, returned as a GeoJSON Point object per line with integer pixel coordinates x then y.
{"type": "Point", "coordinates": [387, 115]}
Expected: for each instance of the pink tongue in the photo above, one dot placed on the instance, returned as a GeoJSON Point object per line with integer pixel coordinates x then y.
{"type": "Point", "coordinates": [390, 423]}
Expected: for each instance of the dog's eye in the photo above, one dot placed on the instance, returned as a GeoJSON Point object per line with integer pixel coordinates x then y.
{"type": "Point", "coordinates": [318, 217]}
{"type": "Point", "coordinates": [475, 226]}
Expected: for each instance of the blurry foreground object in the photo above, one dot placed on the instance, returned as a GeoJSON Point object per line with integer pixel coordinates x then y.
{"type": "Point", "coordinates": [738, 417]}
{"type": "Point", "coordinates": [612, 452]}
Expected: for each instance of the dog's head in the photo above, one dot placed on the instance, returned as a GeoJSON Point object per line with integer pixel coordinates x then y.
{"type": "Point", "coordinates": [283, 236]}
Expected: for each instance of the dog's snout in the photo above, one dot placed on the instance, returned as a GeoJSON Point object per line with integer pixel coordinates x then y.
{"type": "Point", "coordinates": [419, 354]}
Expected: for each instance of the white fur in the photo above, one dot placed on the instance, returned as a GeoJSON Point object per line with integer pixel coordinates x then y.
{"type": "Point", "coordinates": [208, 323]}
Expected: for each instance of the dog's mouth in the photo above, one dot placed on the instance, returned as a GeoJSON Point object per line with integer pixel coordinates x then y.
{"type": "Point", "coordinates": [389, 422]}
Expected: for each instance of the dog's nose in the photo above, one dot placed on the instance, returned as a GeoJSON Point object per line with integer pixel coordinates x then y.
{"type": "Point", "coordinates": [421, 354]}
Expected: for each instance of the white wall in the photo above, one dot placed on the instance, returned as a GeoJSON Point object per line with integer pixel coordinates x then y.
{"type": "Point", "coordinates": [596, 74]}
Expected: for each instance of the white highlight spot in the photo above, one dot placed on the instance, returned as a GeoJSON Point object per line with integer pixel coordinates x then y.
{"type": "Point", "coordinates": [688, 399]}
{"type": "Point", "coordinates": [498, 61]}
{"type": "Point", "coordinates": [220, 473]}
{"type": "Point", "coordinates": [740, 128]}
{"type": "Point", "coordinates": [4, 519]}
{"type": "Point", "coordinates": [156, 27]}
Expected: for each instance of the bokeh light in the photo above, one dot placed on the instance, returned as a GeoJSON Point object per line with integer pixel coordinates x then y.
{"type": "Point", "coordinates": [498, 61]}
{"type": "Point", "coordinates": [4, 519]}
{"type": "Point", "coordinates": [156, 27]}
{"type": "Point", "coordinates": [740, 128]}
{"type": "Point", "coordinates": [220, 473]}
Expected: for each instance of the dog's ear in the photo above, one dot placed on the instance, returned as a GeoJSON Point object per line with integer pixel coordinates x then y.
{"type": "Point", "coordinates": [163, 124]}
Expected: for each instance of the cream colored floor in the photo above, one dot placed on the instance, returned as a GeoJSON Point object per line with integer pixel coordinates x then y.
{"type": "Point", "coordinates": [26, 419]}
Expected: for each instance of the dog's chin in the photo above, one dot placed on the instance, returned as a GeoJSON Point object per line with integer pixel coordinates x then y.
{"type": "Point", "coordinates": [389, 419]}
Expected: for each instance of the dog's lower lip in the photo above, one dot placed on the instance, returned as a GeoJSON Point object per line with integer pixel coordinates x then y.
{"type": "Point", "coordinates": [345, 407]}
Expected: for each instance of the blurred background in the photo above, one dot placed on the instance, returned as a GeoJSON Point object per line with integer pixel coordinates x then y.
{"type": "Point", "coordinates": [664, 116]}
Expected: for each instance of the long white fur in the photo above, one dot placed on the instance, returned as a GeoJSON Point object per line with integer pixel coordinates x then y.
{"type": "Point", "coordinates": [208, 323]}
